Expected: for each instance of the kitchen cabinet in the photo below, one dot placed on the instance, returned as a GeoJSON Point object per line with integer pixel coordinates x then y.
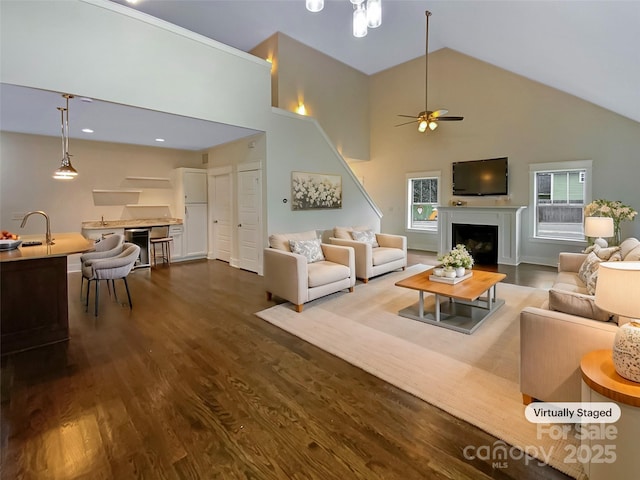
{"type": "Point", "coordinates": [195, 230]}
{"type": "Point", "coordinates": [191, 205]}
{"type": "Point", "coordinates": [176, 232]}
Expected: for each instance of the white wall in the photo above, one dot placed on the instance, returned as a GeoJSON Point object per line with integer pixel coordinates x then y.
{"type": "Point", "coordinates": [27, 163]}
{"type": "Point", "coordinates": [505, 115]}
{"type": "Point", "coordinates": [297, 143]}
{"type": "Point", "coordinates": [102, 50]}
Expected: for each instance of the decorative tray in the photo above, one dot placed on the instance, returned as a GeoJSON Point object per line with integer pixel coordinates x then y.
{"type": "Point", "coordinates": [450, 281]}
{"type": "Point", "coordinates": [9, 244]}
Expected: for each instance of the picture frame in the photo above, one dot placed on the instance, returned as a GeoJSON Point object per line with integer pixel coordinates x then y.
{"type": "Point", "coordinates": [312, 191]}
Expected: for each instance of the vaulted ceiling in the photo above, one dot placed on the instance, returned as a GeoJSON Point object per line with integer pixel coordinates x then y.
{"type": "Point", "coordinates": [585, 48]}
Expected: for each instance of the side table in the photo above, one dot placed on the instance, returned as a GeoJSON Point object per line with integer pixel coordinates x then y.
{"type": "Point", "coordinates": [601, 383]}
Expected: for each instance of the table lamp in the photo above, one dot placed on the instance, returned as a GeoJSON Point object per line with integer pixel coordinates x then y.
{"type": "Point", "coordinates": [598, 227]}
{"type": "Point", "coordinates": [618, 292]}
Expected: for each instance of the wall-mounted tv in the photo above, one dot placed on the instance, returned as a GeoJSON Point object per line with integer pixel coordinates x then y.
{"type": "Point", "coordinates": [481, 177]}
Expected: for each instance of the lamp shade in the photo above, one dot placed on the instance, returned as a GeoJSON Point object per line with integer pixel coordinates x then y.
{"type": "Point", "coordinates": [617, 289]}
{"type": "Point", "coordinates": [598, 227]}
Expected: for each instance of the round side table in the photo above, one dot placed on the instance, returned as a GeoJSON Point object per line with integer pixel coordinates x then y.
{"type": "Point", "coordinates": [601, 383]}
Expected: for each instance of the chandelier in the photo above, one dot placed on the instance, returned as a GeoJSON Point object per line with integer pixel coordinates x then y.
{"type": "Point", "coordinates": [66, 170]}
{"type": "Point", "coordinates": [366, 14]}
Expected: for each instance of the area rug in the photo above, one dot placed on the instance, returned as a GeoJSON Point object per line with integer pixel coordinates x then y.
{"type": "Point", "coordinates": [477, 376]}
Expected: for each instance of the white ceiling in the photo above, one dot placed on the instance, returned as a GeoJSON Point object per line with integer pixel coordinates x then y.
{"type": "Point", "coordinates": [586, 48]}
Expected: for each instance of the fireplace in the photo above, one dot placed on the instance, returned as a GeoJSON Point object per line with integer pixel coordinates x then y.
{"type": "Point", "coordinates": [507, 218]}
{"type": "Point", "coordinates": [480, 240]}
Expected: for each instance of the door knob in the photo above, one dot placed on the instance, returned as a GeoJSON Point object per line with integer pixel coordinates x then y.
{"type": "Point", "coordinates": [239, 225]}
{"type": "Point", "coordinates": [215, 221]}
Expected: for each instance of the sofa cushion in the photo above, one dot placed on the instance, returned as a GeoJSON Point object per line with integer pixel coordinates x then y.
{"type": "Point", "coordinates": [311, 249]}
{"type": "Point", "coordinates": [383, 255]}
{"type": "Point", "coordinates": [280, 241]}
{"type": "Point", "coordinates": [345, 232]}
{"type": "Point", "coordinates": [633, 255]}
{"type": "Point", "coordinates": [627, 245]}
{"type": "Point", "coordinates": [588, 272]}
{"type": "Point", "coordinates": [366, 236]}
{"type": "Point", "coordinates": [323, 273]}
{"type": "Point", "coordinates": [605, 253]}
{"type": "Point", "coordinates": [578, 304]}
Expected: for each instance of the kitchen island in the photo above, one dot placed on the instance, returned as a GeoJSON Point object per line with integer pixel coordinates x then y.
{"type": "Point", "coordinates": [34, 296]}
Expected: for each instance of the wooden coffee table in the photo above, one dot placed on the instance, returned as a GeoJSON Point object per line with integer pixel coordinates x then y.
{"type": "Point", "coordinates": [465, 309]}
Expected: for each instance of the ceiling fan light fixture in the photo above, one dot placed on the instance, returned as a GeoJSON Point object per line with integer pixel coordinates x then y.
{"type": "Point", "coordinates": [432, 125]}
{"type": "Point", "coordinates": [422, 126]}
{"type": "Point", "coordinates": [359, 21]}
{"type": "Point", "coordinates": [315, 5]}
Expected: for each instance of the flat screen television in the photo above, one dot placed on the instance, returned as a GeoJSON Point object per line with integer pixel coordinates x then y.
{"type": "Point", "coordinates": [481, 177]}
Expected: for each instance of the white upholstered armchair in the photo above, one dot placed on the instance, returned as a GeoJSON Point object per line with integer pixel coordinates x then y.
{"type": "Point", "coordinates": [376, 253]}
{"type": "Point", "coordinates": [299, 268]}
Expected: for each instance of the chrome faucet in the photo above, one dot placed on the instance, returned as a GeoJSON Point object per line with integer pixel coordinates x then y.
{"type": "Point", "coordinates": [48, 234]}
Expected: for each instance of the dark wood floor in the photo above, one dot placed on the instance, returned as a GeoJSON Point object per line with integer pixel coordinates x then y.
{"type": "Point", "coordinates": [190, 384]}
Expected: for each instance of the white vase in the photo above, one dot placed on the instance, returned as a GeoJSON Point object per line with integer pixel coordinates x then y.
{"type": "Point", "coordinates": [450, 273]}
{"type": "Point", "coordinates": [626, 351]}
{"type": "Point", "coordinates": [460, 272]}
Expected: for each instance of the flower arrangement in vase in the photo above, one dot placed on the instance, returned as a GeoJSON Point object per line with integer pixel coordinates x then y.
{"type": "Point", "coordinates": [459, 259]}
{"type": "Point", "coordinates": [614, 209]}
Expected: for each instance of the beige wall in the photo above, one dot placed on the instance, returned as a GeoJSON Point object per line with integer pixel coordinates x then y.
{"type": "Point", "coordinates": [505, 115]}
{"type": "Point", "coordinates": [27, 163]}
{"type": "Point", "coordinates": [333, 93]}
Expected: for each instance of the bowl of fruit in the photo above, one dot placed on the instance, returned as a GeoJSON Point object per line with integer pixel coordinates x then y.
{"type": "Point", "coordinates": [9, 241]}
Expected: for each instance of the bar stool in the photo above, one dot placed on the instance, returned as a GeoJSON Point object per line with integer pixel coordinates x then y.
{"type": "Point", "coordinates": [165, 249]}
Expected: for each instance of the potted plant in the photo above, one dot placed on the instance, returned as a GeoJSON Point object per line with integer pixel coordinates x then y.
{"type": "Point", "coordinates": [459, 259]}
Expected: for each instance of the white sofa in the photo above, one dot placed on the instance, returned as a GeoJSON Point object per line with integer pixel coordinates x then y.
{"type": "Point", "coordinates": [293, 277]}
{"type": "Point", "coordinates": [555, 336]}
{"type": "Point", "coordinates": [388, 253]}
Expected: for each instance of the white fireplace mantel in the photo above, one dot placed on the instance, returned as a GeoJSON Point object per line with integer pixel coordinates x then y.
{"type": "Point", "coordinates": [506, 217]}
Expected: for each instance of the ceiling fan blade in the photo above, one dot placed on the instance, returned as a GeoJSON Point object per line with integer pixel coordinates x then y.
{"type": "Point", "coordinates": [450, 119]}
{"type": "Point", "coordinates": [408, 116]}
{"type": "Point", "coordinates": [406, 123]}
{"type": "Point", "coordinates": [438, 113]}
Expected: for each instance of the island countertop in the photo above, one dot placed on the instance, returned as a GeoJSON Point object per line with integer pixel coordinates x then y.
{"type": "Point", "coordinates": [131, 223]}
{"type": "Point", "coordinates": [64, 244]}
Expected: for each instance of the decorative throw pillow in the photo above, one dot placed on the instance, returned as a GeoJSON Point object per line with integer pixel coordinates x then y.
{"type": "Point", "coordinates": [588, 272]}
{"type": "Point", "coordinates": [366, 236]}
{"type": "Point", "coordinates": [605, 253]}
{"type": "Point", "coordinates": [309, 248]}
{"type": "Point", "coordinates": [575, 303]}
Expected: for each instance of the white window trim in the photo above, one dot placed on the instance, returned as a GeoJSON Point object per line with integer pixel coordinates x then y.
{"type": "Point", "coordinates": [586, 165]}
{"type": "Point", "coordinates": [409, 200]}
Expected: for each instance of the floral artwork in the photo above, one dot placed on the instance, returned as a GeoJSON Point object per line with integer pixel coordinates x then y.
{"type": "Point", "coordinates": [614, 209]}
{"type": "Point", "coordinates": [458, 257]}
{"type": "Point", "coordinates": [315, 190]}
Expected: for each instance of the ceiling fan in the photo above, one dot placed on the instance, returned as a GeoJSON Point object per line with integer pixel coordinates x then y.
{"type": "Point", "coordinates": [426, 118]}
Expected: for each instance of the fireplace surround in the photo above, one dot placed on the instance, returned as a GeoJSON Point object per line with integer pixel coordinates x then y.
{"type": "Point", "coordinates": [507, 219]}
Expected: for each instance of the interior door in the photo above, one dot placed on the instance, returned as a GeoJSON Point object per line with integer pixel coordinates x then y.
{"type": "Point", "coordinates": [221, 216]}
{"type": "Point", "coordinates": [249, 220]}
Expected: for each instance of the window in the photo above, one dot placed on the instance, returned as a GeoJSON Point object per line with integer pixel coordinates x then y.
{"type": "Point", "coordinates": [423, 198]}
{"type": "Point", "coordinates": [560, 192]}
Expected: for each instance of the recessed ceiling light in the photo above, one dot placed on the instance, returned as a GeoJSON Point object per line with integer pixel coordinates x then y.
{"type": "Point", "coordinates": [159, 139]}
{"type": "Point", "coordinates": [86, 100]}
{"type": "Point", "coordinates": [87, 130]}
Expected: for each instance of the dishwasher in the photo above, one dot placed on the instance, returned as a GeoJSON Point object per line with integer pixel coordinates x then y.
{"type": "Point", "coordinates": [139, 236]}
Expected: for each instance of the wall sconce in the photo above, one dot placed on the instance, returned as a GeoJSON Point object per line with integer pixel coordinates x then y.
{"type": "Point", "coordinates": [301, 110]}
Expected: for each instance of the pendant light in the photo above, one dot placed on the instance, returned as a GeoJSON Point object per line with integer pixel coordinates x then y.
{"type": "Point", "coordinates": [315, 5]}
{"type": "Point", "coordinates": [66, 170]}
{"type": "Point", "coordinates": [359, 21]}
{"type": "Point", "coordinates": [366, 14]}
